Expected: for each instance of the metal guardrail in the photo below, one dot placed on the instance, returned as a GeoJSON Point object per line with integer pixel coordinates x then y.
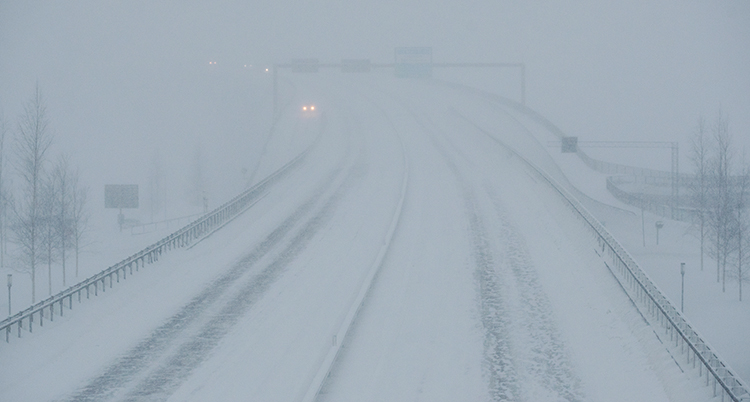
{"type": "Point", "coordinates": [647, 297]}
{"type": "Point", "coordinates": [184, 237]}
{"type": "Point", "coordinates": [656, 204]}
{"type": "Point", "coordinates": [143, 228]}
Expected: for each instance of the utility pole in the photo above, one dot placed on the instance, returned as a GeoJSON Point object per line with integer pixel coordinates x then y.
{"type": "Point", "coordinates": [659, 225]}
{"type": "Point", "coordinates": [10, 283]}
{"type": "Point", "coordinates": [682, 296]}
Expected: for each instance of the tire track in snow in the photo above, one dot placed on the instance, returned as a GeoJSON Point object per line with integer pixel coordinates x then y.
{"type": "Point", "coordinates": [503, 371]}
{"type": "Point", "coordinates": [138, 359]}
{"type": "Point", "coordinates": [546, 358]}
{"type": "Point", "coordinates": [501, 368]}
{"type": "Point", "coordinates": [161, 344]}
{"type": "Point", "coordinates": [161, 383]}
{"type": "Point", "coordinates": [528, 320]}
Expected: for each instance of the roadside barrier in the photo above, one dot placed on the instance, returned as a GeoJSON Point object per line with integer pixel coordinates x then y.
{"type": "Point", "coordinates": [648, 299]}
{"type": "Point", "coordinates": [184, 237]}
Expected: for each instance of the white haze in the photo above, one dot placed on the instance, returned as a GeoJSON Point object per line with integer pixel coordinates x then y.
{"type": "Point", "coordinates": [125, 80]}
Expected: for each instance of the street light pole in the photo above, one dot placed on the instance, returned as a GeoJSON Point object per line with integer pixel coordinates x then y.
{"type": "Point", "coordinates": [682, 296]}
{"type": "Point", "coordinates": [10, 283]}
{"type": "Point", "coordinates": [659, 225]}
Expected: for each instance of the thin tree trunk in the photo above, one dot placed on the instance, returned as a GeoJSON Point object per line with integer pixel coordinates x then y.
{"type": "Point", "coordinates": [76, 254]}
{"type": "Point", "coordinates": [718, 257]}
{"type": "Point", "coordinates": [739, 264]}
{"type": "Point", "coordinates": [703, 236]}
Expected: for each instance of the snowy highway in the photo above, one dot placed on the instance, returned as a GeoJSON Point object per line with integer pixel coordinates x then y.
{"type": "Point", "coordinates": [409, 256]}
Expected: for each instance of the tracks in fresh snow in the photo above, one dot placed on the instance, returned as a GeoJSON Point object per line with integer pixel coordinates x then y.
{"type": "Point", "coordinates": [158, 365]}
{"type": "Point", "coordinates": [525, 358]}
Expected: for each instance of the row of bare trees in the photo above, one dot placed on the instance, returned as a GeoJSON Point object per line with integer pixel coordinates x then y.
{"type": "Point", "coordinates": [720, 190]}
{"type": "Point", "coordinates": [45, 208]}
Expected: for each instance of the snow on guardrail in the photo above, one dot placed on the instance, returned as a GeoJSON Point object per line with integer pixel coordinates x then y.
{"type": "Point", "coordinates": [647, 297]}
{"type": "Point", "coordinates": [184, 237]}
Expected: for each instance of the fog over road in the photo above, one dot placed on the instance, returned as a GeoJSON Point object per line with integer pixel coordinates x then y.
{"type": "Point", "coordinates": [469, 277]}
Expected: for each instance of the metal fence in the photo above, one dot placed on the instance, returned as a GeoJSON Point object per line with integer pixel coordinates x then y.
{"type": "Point", "coordinates": [652, 303]}
{"type": "Point", "coordinates": [656, 204]}
{"type": "Point", "coordinates": [656, 309]}
{"type": "Point", "coordinates": [184, 237]}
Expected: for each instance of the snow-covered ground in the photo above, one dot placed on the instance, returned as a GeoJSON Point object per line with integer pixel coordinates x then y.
{"type": "Point", "coordinates": [718, 315]}
{"type": "Point", "coordinates": [489, 290]}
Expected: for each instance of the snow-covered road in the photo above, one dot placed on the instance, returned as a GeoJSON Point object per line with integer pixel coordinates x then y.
{"type": "Point", "coordinates": [488, 289]}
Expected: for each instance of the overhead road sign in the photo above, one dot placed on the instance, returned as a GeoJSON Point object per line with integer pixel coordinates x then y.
{"type": "Point", "coordinates": [413, 62]}
{"type": "Point", "coordinates": [120, 196]}
{"type": "Point", "coordinates": [569, 145]}
{"type": "Point", "coordinates": [356, 66]}
{"type": "Point", "coordinates": [305, 65]}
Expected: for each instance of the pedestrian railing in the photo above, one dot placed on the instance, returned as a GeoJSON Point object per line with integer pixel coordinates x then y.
{"type": "Point", "coordinates": [184, 237]}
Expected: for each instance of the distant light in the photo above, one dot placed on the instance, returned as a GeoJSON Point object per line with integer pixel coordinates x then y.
{"type": "Point", "coordinates": [312, 107]}
{"type": "Point", "coordinates": [304, 107]}
{"type": "Point", "coordinates": [266, 70]}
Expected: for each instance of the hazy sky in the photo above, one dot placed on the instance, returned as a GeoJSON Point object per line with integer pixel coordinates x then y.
{"type": "Point", "coordinates": [126, 78]}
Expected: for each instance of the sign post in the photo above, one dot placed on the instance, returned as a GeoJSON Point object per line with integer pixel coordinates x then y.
{"type": "Point", "coordinates": [120, 196]}
{"type": "Point", "coordinates": [659, 225]}
{"type": "Point", "coordinates": [682, 295]}
{"type": "Point", "coordinates": [10, 283]}
{"type": "Point", "coordinates": [569, 145]}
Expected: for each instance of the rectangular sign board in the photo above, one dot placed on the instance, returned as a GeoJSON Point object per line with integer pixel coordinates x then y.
{"type": "Point", "coordinates": [569, 145]}
{"type": "Point", "coordinates": [305, 65]}
{"type": "Point", "coordinates": [355, 66]}
{"type": "Point", "coordinates": [413, 62]}
{"type": "Point", "coordinates": [120, 196]}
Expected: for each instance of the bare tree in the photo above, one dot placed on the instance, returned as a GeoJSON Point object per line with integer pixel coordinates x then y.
{"type": "Point", "coordinates": [79, 214]}
{"type": "Point", "coordinates": [156, 187]}
{"type": "Point", "coordinates": [699, 187]}
{"type": "Point", "coordinates": [3, 195]}
{"type": "Point", "coordinates": [742, 186]}
{"type": "Point", "coordinates": [48, 207]}
{"type": "Point", "coordinates": [721, 210]}
{"type": "Point", "coordinates": [63, 221]}
{"type": "Point", "coordinates": [33, 139]}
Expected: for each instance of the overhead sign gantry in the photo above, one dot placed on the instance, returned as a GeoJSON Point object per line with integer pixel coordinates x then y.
{"type": "Point", "coordinates": [409, 62]}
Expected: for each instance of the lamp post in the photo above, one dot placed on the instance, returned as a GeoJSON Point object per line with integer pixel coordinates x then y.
{"type": "Point", "coordinates": [659, 225]}
{"type": "Point", "coordinates": [682, 295]}
{"type": "Point", "coordinates": [10, 283]}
